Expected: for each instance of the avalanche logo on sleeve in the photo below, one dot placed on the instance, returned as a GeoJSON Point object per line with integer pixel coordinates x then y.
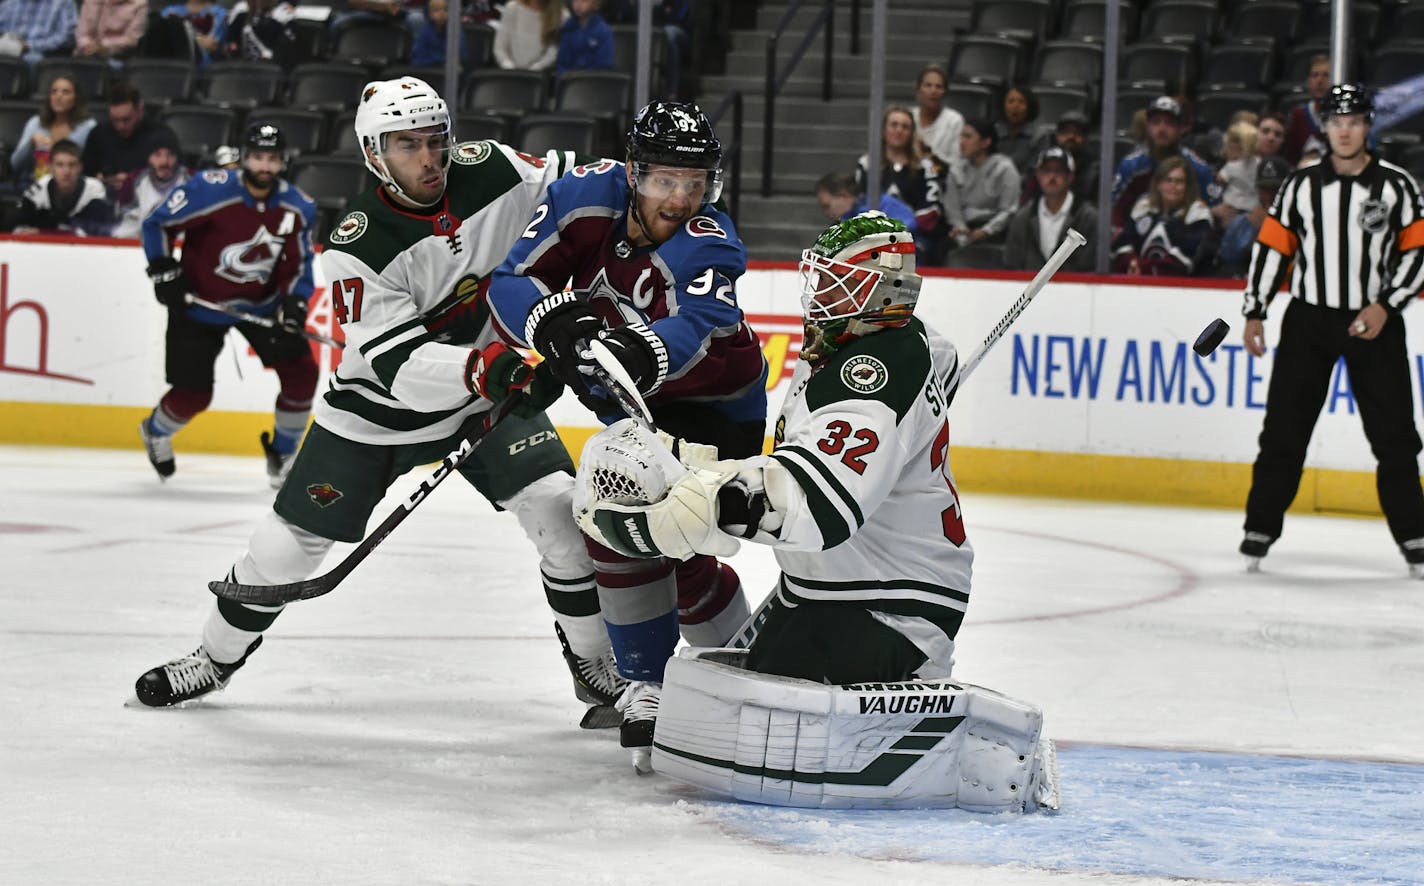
{"type": "Point", "coordinates": [864, 373]}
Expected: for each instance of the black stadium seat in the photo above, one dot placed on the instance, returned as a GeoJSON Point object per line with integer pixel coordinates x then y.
{"type": "Point", "coordinates": [201, 129]}
{"type": "Point", "coordinates": [332, 86]}
{"type": "Point", "coordinates": [304, 130]}
{"type": "Point", "coordinates": [243, 84]}
{"type": "Point", "coordinates": [540, 133]}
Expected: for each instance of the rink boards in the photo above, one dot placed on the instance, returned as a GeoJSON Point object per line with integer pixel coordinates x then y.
{"type": "Point", "coordinates": [1094, 392]}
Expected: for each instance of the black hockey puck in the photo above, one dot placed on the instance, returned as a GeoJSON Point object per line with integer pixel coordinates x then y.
{"type": "Point", "coordinates": [1211, 336]}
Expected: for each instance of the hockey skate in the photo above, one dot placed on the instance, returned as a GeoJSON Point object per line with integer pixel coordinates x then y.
{"type": "Point", "coordinates": [597, 683]}
{"type": "Point", "coordinates": [160, 450]}
{"type": "Point", "coordinates": [278, 465]}
{"type": "Point", "coordinates": [1254, 547]}
{"type": "Point", "coordinates": [639, 705]}
{"type": "Point", "coordinates": [184, 679]}
{"type": "Point", "coordinates": [1413, 551]}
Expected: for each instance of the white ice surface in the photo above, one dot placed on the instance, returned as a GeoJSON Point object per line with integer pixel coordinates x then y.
{"type": "Point", "coordinates": [417, 726]}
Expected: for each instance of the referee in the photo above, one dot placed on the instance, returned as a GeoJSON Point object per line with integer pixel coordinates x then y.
{"type": "Point", "coordinates": [1350, 233]}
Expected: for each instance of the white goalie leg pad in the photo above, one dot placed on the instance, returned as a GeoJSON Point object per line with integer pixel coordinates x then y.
{"type": "Point", "coordinates": [788, 742]}
{"type": "Point", "coordinates": [544, 510]}
{"type": "Point", "coordinates": [277, 553]}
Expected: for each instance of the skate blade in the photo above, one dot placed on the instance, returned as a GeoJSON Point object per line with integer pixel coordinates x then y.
{"type": "Point", "coordinates": [600, 716]}
{"type": "Point", "coordinates": [1253, 564]}
{"type": "Point", "coordinates": [642, 760]}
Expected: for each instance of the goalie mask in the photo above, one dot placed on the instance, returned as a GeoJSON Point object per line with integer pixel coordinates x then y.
{"type": "Point", "coordinates": [387, 106]}
{"type": "Point", "coordinates": [858, 277]}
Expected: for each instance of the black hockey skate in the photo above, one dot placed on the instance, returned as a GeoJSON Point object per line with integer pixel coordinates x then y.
{"type": "Point", "coordinates": [1413, 551]}
{"type": "Point", "coordinates": [1254, 547]}
{"type": "Point", "coordinates": [184, 679]}
{"type": "Point", "coordinates": [278, 465]}
{"type": "Point", "coordinates": [160, 451]}
{"type": "Point", "coordinates": [597, 683]}
{"type": "Point", "coordinates": [639, 705]}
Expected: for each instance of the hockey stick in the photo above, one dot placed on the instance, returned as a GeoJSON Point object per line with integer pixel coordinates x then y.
{"type": "Point", "coordinates": [611, 374]}
{"type": "Point", "coordinates": [1071, 242]}
{"type": "Point", "coordinates": [259, 320]}
{"type": "Point", "coordinates": [280, 595]}
{"type": "Point", "coordinates": [753, 625]}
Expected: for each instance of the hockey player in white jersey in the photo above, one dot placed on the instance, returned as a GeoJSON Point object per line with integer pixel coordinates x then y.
{"type": "Point", "coordinates": [408, 267]}
{"type": "Point", "coordinates": [859, 503]}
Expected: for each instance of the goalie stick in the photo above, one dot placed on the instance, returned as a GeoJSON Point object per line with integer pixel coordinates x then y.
{"type": "Point", "coordinates": [280, 595]}
{"type": "Point", "coordinates": [259, 320]}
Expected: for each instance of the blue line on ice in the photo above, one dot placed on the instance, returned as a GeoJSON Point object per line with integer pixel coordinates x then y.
{"type": "Point", "coordinates": [1132, 811]}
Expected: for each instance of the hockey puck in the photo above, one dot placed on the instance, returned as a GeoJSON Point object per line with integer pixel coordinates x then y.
{"type": "Point", "coordinates": [1211, 336]}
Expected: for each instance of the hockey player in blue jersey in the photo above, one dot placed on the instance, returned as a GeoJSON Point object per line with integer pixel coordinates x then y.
{"type": "Point", "coordinates": [247, 245]}
{"type": "Point", "coordinates": [635, 254]}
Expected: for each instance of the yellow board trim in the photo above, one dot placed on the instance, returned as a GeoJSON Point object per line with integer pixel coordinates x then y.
{"type": "Point", "coordinates": [1008, 471]}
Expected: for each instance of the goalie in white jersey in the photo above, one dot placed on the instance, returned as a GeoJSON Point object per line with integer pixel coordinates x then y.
{"type": "Point", "coordinates": [859, 503]}
{"type": "Point", "coordinates": [408, 267]}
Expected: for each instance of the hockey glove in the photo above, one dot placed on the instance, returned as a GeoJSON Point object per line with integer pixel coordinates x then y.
{"type": "Point", "coordinates": [555, 327]}
{"type": "Point", "coordinates": [639, 349]}
{"type": "Point", "coordinates": [498, 371]}
{"type": "Point", "coordinates": [681, 526]}
{"type": "Point", "coordinates": [170, 284]}
{"type": "Point", "coordinates": [292, 314]}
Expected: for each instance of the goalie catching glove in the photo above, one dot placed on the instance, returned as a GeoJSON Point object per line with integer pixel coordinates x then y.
{"type": "Point", "coordinates": [635, 497]}
{"type": "Point", "coordinates": [498, 371]}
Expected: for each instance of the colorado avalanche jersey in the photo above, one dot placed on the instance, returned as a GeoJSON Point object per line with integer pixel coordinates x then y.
{"type": "Point", "coordinates": [237, 249]}
{"type": "Point", "coordinates": [683, 289]}
{"type": "Point", "coordinates": [878, 521]}
{"type": "Point", "coordinates": [408, 289]}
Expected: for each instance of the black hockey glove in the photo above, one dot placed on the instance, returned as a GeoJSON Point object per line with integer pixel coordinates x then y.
{"type": "Point", "coordinates": [170, 284]}
{"type": "Point", "coordinates": [640, 351]}
{"type": "Point", "coordinates": [556, 325]}
{"type": "Point", "coordinates": [292, 313]}
{"type": "Point", "coordinates": [498, 371]}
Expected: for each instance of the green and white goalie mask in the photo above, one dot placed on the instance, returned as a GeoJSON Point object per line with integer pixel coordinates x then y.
{"type": "Point", "coordinates": [857, 278]}
{"type": "Point", "coordinates": [406, 104]}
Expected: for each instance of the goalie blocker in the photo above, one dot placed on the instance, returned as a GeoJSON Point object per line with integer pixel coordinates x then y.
{"type": "Point", "coordinates": [789, 742]}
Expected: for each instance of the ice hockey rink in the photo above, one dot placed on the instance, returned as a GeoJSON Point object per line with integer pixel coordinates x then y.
{"type": "Point", "coordinates": [417, 726]}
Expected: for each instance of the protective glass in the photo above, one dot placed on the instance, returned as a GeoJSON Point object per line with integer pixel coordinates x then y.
{"type": "Point", "coordinates": [832, 289]}
{"type": "Point", "coordinates": [662, 182]}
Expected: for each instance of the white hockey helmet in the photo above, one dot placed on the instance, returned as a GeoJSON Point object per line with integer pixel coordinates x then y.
{"type": "Point", "coordinates": [392, 106]}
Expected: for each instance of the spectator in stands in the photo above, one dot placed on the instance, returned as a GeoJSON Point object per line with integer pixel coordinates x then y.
{"type": "Point", "coordinates": [674, 17]}
{"type": "Point", "coordinates": [65, 200]}
{"type": "Point", "coordinates": [1038, 229]}
{"type": "Point", "coordinates": [982, 190]}
{"type": "Point", "coordinates": [209, 23]}
{"type": "Point", "coordinates": [1070, 134]}
{"type": "Point", "coordinates": [119, 146]}
{"type": "Point", "coordinates": [1306, 121]}
{"type": "Point", "coordinates": [61, 116]}
{"type": "Point", "coordinates": [1237, 177]}
{"type": "Point", "coordinates": [936, 126]}
{"type": "Point", "coordinates": [841, 198]}
{"type": "Point", "coordinates": [1014, 132]}
{"type": "Point", "coordinates": [429, 47]}
{"type": "Point", "coordinates": [110, 29]}
{"type": "Point", "coordinates": [528, 35]}
{"type": "Point", "coordinates": [408, 14]}
{"type": "Point", "coordinates": [585, 40]}
{"type": "Point", "coordinates": [152, 186]}
{"type": "Point", "coordinates": [263, 32]}
{"type": "Point", "coordinates": [1163, 139]}
{"type": "Point", "coordinates": [1270, 134]}
{"type": "Point", "coordinates": [910, 175]}
{"type": "Point", "coordinates": [1236, 242]}
{"type": "Point", "coordinates": [33, 29]}
{"type": "Point", "coordinates": [1169, 232]}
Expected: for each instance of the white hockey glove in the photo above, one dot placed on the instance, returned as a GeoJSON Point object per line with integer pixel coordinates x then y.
{"type": "Point", "coordinates": [634, 496]}
{"type": "Point", "coordinates": [680, 526]}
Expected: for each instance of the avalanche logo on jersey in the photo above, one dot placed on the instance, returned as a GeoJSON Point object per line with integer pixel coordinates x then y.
{"type": "Point", "coordinates": [702, 226]}
{"type": "Point", "coordinates": [252, 260]}
{"type": "Point", "coordinates": [864, 373]}
{"type": "Point", "coordinates": [642, 297]}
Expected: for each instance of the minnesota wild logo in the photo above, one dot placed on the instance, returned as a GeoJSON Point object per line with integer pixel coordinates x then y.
{"type": "Point", "coordinates": [471, 153]}
{"type": "Point", "coordinates": [324, 495]}
{"type": "Point", "coordinates": [350, 227]}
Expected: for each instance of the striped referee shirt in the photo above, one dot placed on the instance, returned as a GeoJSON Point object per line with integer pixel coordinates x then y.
{"type": "Point", "coordinates": [1346, 242]}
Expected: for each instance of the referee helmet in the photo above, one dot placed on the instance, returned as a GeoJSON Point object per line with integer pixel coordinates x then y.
{"type": "Point", "coordinates": [1349, 98]}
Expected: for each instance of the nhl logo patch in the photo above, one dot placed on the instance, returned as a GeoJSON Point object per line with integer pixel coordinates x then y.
{"type": "Point", "coordinates": [622, 249]}
{"type": "Point", "coordinates": [865, 374]}
{"type": "Point", "coordinates": [471, 153]}
{"type": "Point", "coordinates": [350, 227]}
{"type": "Point", "coordinates": [1374, 216]}
{"type": "Point", "coordinates": [323, 495]}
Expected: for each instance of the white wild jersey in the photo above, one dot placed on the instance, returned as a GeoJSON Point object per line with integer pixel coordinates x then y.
{"type": "Point", "coordinates": [866, 438]}
{"type": "Point", "coordinates": [409, 292]}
